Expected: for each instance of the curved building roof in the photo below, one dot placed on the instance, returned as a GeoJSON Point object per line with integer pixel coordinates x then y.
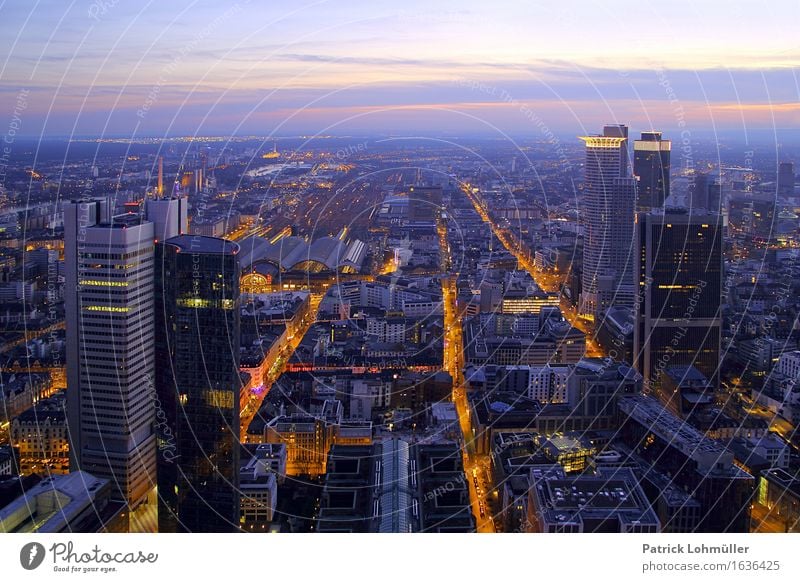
{"type": "Point", "coordinates": [327, 253]}
{"type": "Point", "coordinates": [326, 250]}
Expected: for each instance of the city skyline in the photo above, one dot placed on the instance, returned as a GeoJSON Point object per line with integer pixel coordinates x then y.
{"type": "Point", "coordinates": [452, 267]}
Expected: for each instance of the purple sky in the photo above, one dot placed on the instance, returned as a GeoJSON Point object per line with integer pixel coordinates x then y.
{"type": "Point", "coordinates": [122, 68]}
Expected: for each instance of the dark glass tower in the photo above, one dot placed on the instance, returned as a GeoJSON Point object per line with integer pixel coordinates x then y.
{"type": "Point", "coordinates": [651, 164]}
{"type": "Point", "coordinates": [198, 383]}
{"type": "Point", "coordinates": [679, 272]}
{"type": "Point", "coordinates": [786, 179]}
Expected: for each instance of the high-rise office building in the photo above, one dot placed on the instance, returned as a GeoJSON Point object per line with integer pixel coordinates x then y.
{"type": "Point", "coordinates": [705, 193]}
{"type": "Point", "coordinates": [786, 179]}
{"type": "Point", "coordinates": [679, 272]}
{"type": "Point", "coordinates": [698, 191]}
{"type": "Point", "coordinates": [170, 216]}
{"type": "Point", "coordinates": [609, 207]}
{"type": "Point", "coordinates": [109, 326]}
{"type": "Point", "coordinates": [651, 165]}
{"type": "Point", "coordinates": [198, 384]}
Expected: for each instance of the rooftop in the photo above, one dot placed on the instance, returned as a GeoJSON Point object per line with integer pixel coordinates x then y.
{"type": "Point", "coordinates": [193, 243]}
{"type": "Point", "coordinates": [611, 500]}
{"type": "Point", "coordinates": [56, 504]}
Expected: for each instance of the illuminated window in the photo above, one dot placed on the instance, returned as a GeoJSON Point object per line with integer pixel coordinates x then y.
{"type": "Point", "coordinates": [95, 283]}
{"type": "Point", "coordinates": [218, 398]}
{"type": "Point", "coordinates": [194, 303]}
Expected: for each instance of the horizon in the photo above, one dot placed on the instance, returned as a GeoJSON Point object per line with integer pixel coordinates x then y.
{"type": "Point", "coordinates": [457, 68]}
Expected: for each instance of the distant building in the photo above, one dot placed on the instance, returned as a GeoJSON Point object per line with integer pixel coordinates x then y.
{"type": "Point", "coordinates": [20, 391]}
{"type": "Point", "coordinates": [506, 340]}
{"type": "Point", "coordinates": [8, 463]}
{"type": "Point", "coordinates": [271, 455]}
{"type": "Point", "coordinates": [307, 439]}
{"type": "Point", "coordinates": [609, 207]}
{"type": "Point", "coordinates": [765, 452]}
{"type": "Point", "coordinates": [444, 420]}
{"type": "Point", "coordinates": [677, 510]}
{"type": "Point", "coordinates": [598, 385]}
{"type": "Point", "coordinates": [786, 179]}
{"type": "Point", "coordinates": [549, 384]}
{"type": "Point", "coordinates": [781, 394]}
{"type": "Point", "coordinates": [571, 451]}
{"type": "Point", "coordinates": [170, 216]}
{"type": "Point", "coordinates": [594, 388]}
{"type": "Point", "coordinates": [529, 303]}
{"type": "Point", "coordinates": [615, 333]}
{"type": "Point", "coordinates": [424, 203]}
{"type": "Point", "coordinates": [651, 166]}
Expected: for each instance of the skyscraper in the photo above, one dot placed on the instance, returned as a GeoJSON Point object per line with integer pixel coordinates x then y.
{"type": "Point", "coordinates": [609, 206]}
{"type": "Point", "coordinates": [170, 216]}
{"type": "Point", "coordinates": [705, 193]}
{"type": "Point", "coordinates": [698, 191]}
{"type": "Point", "coordinates": [109, 326]}
{"type": "Point", "coordinates": [679, 270]}
{"type": "Point", "coordinates": [651, 165]}
{"type": "Point", "coordinates": [786, 179]}
{"type": "Point", "coordinates": [198, 384]}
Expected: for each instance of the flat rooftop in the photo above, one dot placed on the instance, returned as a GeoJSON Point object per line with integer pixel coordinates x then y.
{"type": "Point", "coordinates": [590, 493]}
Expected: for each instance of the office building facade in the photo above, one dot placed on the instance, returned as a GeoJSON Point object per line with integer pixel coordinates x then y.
{"type": "Point", "coordinates": [109, 327]}
{"type": "Point", "coordinates": [198, 384]}
{"type": "Point", "coordinates": [679, 281]}
{"type": "Point", "coordinates": [651, 166]}
{"type": "Point", "coordinates": [609, 207]}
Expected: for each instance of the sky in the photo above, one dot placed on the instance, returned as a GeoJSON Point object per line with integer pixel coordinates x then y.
{"type": "Point", "coordinates": [126, 68]}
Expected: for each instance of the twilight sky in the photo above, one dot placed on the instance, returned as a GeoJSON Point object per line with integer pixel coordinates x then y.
{"type": "Point", "coordinates": [183, 67]}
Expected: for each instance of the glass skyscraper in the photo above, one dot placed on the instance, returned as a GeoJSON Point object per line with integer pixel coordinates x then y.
{"type": "Point", "coordinates": [651, 165]}
{"type": "Point", "coordinates": [679, 272]}
{"type": "Point", "coordinates": [198, 383]}
{"type": "Point", "coordinates": [608, 214]}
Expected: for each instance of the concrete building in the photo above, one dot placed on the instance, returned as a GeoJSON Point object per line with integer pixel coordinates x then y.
{"type": "Point", "coordinates": [258, 491]}
{"type": "Point", "coordinates": [110, 339]}
{"type": "Point", "coordinates": [74, 503]}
